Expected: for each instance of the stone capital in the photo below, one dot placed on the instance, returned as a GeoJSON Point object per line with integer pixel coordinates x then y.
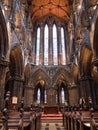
{"type": "Point", "coordinates": [4, 62]}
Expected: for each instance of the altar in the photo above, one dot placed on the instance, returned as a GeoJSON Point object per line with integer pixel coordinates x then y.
{"type": "Point", "coordinates": [51, 109]}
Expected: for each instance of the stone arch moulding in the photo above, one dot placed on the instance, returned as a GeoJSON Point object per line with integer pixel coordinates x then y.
{"type": "Point", "coordinates": [75, 72]}
{"type": "Point", "coordinates": [63, 73]}
{"type": "Point", "coordinates": [40, 75]}
{"type": "Point", "coordinates": [85, 60]}
{"type": "Point", "coordinates": [84, 19]}
{"type": "Point", "coordinates": [94, 33]}
{"type": "Point", "coordinates": [27, 73]}
{"type": "Point", "coordinates": [8, 84]}
{"type": "Point", "coordinates": [50, 19]}
{"type": "Point", "coordinates": [3, 36]}
{"type": "Point", "coordinates": [16, 61]}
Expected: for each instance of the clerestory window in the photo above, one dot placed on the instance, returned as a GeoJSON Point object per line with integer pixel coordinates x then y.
{"type": "Point", "coordinates": [38, 46]}
{"type": "Point", "coordinates": [46, 45]}
{"type": "Point", "coordinates": [50, 45]}
{"type": "Point", "coordinates": [55, 51]}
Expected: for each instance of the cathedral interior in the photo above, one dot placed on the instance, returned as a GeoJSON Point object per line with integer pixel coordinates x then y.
{"type": "Point", "coordinates": [49, 57]}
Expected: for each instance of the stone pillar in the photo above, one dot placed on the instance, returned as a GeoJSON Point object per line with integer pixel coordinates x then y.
{"type": "Point", "coordinates": [59, 46]}
{"type": "Point", "coordinates": [17, 88]}
{"type": "Point", "coordinates": [23, 8]}
{"type": "Point", "coordinates": [73, 95]}
{"type": "Point", "coordinates": [41, 45]}
{"type": "Point", "coordinates": [42, 95]}
{"type": "Point", "coordinates": [94, 81]}
{"type": "Point", "coordinates": [28, 96]}
{"type": "Point", "coordinates": [85, 88]}
{"type": "Point", "coordinates": [3, 65]}
{"type": "Point", "coordinates": [50, 45]}
{"type": "Point", "coordinates": [54, 97]}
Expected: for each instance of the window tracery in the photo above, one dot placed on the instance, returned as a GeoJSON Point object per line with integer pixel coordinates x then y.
{"type": "Point", "coordinates": [52, 44]}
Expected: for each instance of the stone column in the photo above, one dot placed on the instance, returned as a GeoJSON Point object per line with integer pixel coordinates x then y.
{"type": "Point", "coordinates": [42, 94]}
{"type": "Point", "coordinates": [59, 46]}
{"type": "Point", "coordinates": [73, 95]}
{"type": "Point", "coordinates": [85, 88]}
{"type": "Point", "coordinates": [17, 88]}
{"type": "Point", "coordinates": [3, 65]}
{"type": "Point", "coordinates": [94, 80]}
{"type": "Point", "coordinates": [54, 97]}
{"type": "Point", "coordinates": [50, 45]}
{"type": "Point", "coordinates": [41, 45]}
{"type": "Point", "coordinates": [23, 8]}
{"type": "Point", "coordinates": [28, 96]}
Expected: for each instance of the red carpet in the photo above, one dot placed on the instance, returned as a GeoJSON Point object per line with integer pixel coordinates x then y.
{"type": "Point", "coordinates": [51, 116]}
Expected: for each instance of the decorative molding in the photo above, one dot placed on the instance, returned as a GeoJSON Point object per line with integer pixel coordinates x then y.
{"type": "Point", "coordinates": [16, 78]}
{"type": "Point", "coordinates": [28, 87]}
{"type": "Point", "coordinates": [95, 62]}
{"type": "Point", "coordinates": [86, 77]}
{"type": "Point", "coordinates": [4, 63]}
{"type": "Point", "coordinates": [72, 87]}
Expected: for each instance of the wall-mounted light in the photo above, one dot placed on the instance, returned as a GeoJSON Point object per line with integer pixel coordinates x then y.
{"type": "Point", "coordinates": [95, 7]}
{"type": "Point", "coordinates": [79, 7]}
{"type": "Point", "coordinates": [90, 17]}
{"type": "Point", "coordinates": [5, 7]}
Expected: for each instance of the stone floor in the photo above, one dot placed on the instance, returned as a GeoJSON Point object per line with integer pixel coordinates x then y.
{"type": "Point", "coordinates": [52, 126]}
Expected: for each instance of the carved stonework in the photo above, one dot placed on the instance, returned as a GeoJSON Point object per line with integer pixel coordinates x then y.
{"type": "Point", "coordinates": [17, 78]}
{"type": "Point", "coordinates": [85, 35]}
{"type": "Point", "coordinates": [4, 63]}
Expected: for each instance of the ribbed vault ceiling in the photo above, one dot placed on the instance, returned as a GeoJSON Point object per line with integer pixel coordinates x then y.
{"type": "Point", "coordinates": [60, 8]}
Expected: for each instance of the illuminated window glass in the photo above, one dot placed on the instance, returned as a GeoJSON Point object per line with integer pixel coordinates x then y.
{"type": "Point", "coordinates": [56, 99]}
{"type": "Point", "coordinates": [38, 95]}
{"type": "Point", "coordinates": [46, 44]}
{"type": "Point", "coordinates": [62, 95]}
{"type": "Point", "coordinates": [55, 54]}
{"type": "Point", "coordinates": [63, 46]}
{"type": "Point", "coordinates": [45, 96]}
{"type": "Point", "coordinates": [38, 46]}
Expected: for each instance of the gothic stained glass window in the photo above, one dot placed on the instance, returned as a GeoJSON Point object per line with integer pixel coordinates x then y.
{"type": "Point", "coordinates": [62, 95]}
{"type": "Point", "coordinates": [38, 96]}
{"type": "Point", "coordinates": [55, 51]}
{"type": "Point", "coordinates": [38, 46]}
{"type": "Point", "coordinates": [46, 44]}
{"type": "Point", "coordinates": [63, 46]}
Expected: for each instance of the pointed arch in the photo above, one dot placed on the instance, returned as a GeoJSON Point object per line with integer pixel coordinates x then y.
{"type": "Point", "coordinates": [63, 46]}
{"type": "Point", "coordinates": [46, 44]}
{"type": "Point", "coordinates": [27, 73]}
{"type": "Point", "coordinates": [39, 76]}
{"type": "Point", "coordinates": [16, 61]}
{"type": "Point", "coordinates": [55, 45]}
{"type": "Point", "coordinates": [75, 72]}
{"type": "Point", "coordinates": [38, 46]}
{"type": "Point", "coordinates": [85, 60]}
{"type": "Point", "coordinates": [63, 74]}
{"type": "Point", "coordinates": [95, 45]}
{"type": "Point", "coordinates": [3, 36]}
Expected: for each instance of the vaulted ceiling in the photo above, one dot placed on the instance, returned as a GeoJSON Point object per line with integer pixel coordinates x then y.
{"type": "Point", "coordinates": [60, 8]}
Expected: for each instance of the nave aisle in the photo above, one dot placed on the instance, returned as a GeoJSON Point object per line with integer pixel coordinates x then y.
{"type": "Point", "coordinates": [52, 126]}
